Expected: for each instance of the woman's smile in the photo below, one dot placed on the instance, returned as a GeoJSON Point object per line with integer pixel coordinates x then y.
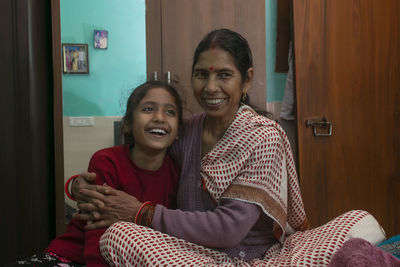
{"type": "Point", "coordinates": [214, 102]}
{"type": "Point", "coordinates": [217, 84]}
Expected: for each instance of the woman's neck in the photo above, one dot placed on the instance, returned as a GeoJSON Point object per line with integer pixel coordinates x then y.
{"type": "Point", "coordinates": [148, 160]}
{"type": "Point", "coordinates": [216, 126]}
{"type": "Point", "coordinates": [213, 130]}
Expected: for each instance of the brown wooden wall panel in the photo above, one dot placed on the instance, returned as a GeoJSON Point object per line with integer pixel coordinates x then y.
{"type": "Point", "coordinates": [347, 69]}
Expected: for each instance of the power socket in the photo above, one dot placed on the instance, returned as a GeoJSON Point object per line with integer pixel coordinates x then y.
{"type": "Point", "coordinates": [81, 121]}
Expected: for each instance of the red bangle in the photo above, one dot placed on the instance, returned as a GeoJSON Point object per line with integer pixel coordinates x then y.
{"type": "Point", "coordinates": [140, 209]}
{"type": "Point", "coordinates": [66, 187]}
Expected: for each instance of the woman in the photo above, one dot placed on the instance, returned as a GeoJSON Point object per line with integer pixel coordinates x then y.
{"type": "Point", "coordinates": [238, 196]}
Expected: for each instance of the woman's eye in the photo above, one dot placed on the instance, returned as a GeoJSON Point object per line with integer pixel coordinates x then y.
{"type": "Point", "coordinates": [225, 75]}
{"type": "Point", "coordinates": [200, 74]}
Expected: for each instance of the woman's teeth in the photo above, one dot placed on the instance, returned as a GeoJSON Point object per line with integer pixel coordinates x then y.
{"type": "Point", "coordinates": [214, 101]}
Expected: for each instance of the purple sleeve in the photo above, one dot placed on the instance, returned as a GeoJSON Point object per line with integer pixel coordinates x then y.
{"type": "Point", "coordinates": [223, 227]}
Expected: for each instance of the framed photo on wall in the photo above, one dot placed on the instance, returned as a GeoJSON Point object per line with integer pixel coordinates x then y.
{"type": "Point", "coordinates": [100, 39]}
{"type": "Point", "coordinates": [75, 58]}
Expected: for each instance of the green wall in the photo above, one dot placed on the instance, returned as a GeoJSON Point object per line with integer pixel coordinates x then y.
{"type": "Point", "coordinates": [113, 72]}
{"type": "Point", "coordinates": [275, 81]}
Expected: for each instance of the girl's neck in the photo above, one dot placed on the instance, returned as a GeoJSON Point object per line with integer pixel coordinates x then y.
{"type": "Point", "coordinates": [148, 160]}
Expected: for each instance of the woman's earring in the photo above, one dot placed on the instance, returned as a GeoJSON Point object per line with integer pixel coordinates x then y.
{"type": "Point", "coordinates": [244, 97]}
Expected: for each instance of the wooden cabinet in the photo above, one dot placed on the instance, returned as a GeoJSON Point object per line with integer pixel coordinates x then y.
{"type": "Point", "coordinates": [175, 27]}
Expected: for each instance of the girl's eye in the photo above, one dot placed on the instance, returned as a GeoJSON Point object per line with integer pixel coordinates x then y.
{"type": "Point", "coordinates": [171, 112]}
{"type": "Point", "coordinates": [147, 109]}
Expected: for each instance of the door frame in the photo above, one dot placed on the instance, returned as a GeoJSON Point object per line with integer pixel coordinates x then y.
{"type": "Point", "coordinates": [58, 118]}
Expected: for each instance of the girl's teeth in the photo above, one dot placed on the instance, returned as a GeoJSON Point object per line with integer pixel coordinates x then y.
{"type": "Point", "coordinates": [158, 131]}
{"type": "Point", "coordinates": [214, 101]}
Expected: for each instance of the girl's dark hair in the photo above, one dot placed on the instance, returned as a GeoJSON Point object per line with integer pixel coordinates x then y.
{"type": "Point", "coordinates": [236, 45]}
{"type": "Point", "coordinates": [134, 99]}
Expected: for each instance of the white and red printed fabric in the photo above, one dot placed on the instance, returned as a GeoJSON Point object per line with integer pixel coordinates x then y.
{"type": "Point", "coordinates": [251, 162]}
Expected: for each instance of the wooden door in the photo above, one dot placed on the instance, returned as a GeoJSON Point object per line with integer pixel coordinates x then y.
{"type": "Point", "coordinates": [347, 67]}
{"type": "Point", "coordinates": [175, 27]}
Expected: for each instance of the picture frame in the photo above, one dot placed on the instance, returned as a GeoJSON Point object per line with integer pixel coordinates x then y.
{"type": "Point", "coordinates": [75, 58]}
{"type": "Point", "coordinates": [100, 39]}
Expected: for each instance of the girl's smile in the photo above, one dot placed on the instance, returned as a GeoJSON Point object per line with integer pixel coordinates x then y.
{"type": "Point", "coordinates": [155, 122]}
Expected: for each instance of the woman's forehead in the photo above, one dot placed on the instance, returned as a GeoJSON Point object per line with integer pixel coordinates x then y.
{"type": "Point", "coordinates": [215, 59]}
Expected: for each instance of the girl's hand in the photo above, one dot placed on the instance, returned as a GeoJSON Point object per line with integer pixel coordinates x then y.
{"type": "Point", "coordinates": [116, 206]}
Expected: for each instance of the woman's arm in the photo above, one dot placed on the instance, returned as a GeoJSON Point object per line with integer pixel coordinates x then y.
{"type": "Point", "coordinates": [223, 227]}
{"type": "Point", "coordinates": [117, 206]}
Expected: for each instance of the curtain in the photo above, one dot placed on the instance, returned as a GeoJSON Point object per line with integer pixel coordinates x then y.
{"type": "Point", "coordinates": [26, 132]}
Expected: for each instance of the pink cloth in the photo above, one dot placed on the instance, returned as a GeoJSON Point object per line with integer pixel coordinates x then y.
{"type": "Point", "coordinates": [358, 252]}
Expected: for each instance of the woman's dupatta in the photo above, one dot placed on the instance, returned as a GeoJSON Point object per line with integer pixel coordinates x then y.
{"type": "Point", "coordinates": [253, 162]}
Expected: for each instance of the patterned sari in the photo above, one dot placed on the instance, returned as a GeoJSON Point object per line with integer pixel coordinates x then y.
{"type": "Point", "coordinates": [252, 162]}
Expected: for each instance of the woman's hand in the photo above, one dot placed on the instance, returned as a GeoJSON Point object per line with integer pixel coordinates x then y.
{"type": "Point", "coordinates": [115, 206]}
{"type": "Point", "coordinates": [84, 182]}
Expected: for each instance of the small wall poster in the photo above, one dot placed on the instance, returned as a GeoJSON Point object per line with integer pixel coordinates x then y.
{"type": "Point", "coordinates": [100, 39]}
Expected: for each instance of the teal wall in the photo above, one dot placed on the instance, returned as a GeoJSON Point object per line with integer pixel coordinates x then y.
{"type": "Point", "coordinates": [275, 81]}
{"type": "Point", "coordinates": [113, 72]}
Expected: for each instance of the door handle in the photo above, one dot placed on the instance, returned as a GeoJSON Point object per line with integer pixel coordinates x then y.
{"type": "Point", "coordinates": [155, 76]}
{"type": "Point", "coordinates": [320, 127]}
{"type": "Point", "coordinates": [168, 74]}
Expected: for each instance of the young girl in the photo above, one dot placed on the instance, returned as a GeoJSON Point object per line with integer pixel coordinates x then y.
{"type": "Point", "coordinates": [141, 168]}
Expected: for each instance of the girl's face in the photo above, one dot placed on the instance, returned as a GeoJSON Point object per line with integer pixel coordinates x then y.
{"type": "Point", "coordinates": [218, 85]}
{"type": "Point", "coordinates": [155, 121]}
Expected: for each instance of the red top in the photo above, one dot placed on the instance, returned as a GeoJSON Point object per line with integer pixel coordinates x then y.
{"type": "Point", "coordinates": [114, 167]}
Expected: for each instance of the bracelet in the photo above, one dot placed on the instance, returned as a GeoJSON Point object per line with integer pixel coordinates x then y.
{"type": "Point", "coordinates": [140, 209]}
{"type": "Point", "coordinates": [145, 217]}
{"type": "Point", "coordinates": [66, 187]}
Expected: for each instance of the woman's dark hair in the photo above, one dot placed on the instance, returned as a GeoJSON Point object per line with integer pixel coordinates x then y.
{"type": "Point", "coordinates": [236, 45]}
{"type": "Point", "coordinates": [134, 99]}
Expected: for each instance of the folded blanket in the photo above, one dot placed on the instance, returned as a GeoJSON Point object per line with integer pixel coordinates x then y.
{"type": "Point", "coordinates": [359, 252]}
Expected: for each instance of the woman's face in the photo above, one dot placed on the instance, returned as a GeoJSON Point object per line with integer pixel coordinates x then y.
{"type": "Point", "coordinates": [218, 85]}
